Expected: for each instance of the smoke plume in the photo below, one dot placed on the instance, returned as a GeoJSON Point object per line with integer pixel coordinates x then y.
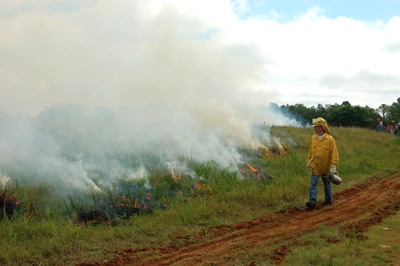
{"type": "Point", "coordinates": [137, 89]}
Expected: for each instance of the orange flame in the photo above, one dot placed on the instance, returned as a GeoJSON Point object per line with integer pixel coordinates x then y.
{"type": "Point", "coordinates": [254, 170]}
{"type": "Point", "coordinates": [136, 204]}
{"type": "Point", "coordinates": [264, 151]}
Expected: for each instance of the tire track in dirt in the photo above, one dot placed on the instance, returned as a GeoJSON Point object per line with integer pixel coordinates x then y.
{"type": "Point", "coordinates": [358, 207]}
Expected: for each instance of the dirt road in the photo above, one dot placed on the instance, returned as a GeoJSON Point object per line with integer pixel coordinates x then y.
{"type": "Point", "coordinates": [358, 207]}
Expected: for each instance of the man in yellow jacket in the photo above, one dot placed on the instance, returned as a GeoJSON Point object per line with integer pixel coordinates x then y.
{"type": "Point", "coordinates": [323, 158]}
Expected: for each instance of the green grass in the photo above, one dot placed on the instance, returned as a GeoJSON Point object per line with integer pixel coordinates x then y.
{"type": "Point", "coordinates": [44, 230]}
{"type": "Point", "coordinates": [329, 247]}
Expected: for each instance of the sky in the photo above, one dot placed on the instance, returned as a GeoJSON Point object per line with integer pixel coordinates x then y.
{"type": "Point", "coordinates": [84, 83]}
{"type": "Point", "coordinates": [159, 52]}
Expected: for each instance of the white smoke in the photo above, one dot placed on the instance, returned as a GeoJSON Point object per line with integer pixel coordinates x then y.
{"type": "Point", "coordinates": [3, 181]}
{"type": "Point", "coordinates": [77, 147]}
{"type": "Point", "coordinates": [143, 87]}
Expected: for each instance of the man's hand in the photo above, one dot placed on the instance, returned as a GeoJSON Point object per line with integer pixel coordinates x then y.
{"type": "Point", "coordinates": [333, 170]}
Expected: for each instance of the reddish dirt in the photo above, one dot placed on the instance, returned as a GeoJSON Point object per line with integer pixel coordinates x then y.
{"type": "Point", "coordinates": [354, 211]}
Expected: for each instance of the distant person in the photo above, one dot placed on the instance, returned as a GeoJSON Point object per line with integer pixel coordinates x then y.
{"type": "Point", "coordinates": [323, 158]}
{"type": "Point", "coordinates": [380, 125]}
{"type": "Point", "coordinates": [392, 127]}
{"type": "Point", "coordinates": [397, 129]}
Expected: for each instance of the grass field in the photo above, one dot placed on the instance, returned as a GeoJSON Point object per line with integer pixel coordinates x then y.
{"type": "Point", "coordinates": [48, 230]}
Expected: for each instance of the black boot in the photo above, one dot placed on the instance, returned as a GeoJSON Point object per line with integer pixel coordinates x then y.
{"type": "Point", "coordinates": [311, 204]}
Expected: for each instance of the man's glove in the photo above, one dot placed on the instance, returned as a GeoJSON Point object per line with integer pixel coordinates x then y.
{"type": "Point", "coordinates": [333, 170]}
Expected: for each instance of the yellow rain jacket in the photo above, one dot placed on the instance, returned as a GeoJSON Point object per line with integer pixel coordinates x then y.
{"type": "Point", "coordinates": [322, 155]}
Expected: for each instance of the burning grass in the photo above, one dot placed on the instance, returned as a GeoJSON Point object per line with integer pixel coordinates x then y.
{"type": "Point", "coordinates": [127, 197]}
{"type": "Point", "coordinates": [8, 204]}
{"type": "Point", "coordinates": [16, 203]}
{"type": "Point", "coordinates": [8, 198]}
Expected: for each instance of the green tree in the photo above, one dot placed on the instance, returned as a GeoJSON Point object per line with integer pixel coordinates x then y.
{"type": "Point", "coordinates": [344, 115]}
{"type": "Point", "coordinates": [383, 109]}
{"type": "Point", "coordinates": [299, 111]}
{"type": "Point", "coordinates": [394, 111]}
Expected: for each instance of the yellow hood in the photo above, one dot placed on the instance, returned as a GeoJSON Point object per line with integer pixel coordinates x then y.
{"type": "Point", "coordinates": [320, 122]}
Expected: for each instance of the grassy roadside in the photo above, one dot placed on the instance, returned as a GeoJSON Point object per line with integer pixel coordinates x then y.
{"type": "Point", "coordinates": [329, 247]}
{"type": "Point", "coordinates": [54, 238]}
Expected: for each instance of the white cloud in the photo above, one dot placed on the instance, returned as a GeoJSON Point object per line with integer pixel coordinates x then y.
{"type": "Point", "coordinates": [302, 52]}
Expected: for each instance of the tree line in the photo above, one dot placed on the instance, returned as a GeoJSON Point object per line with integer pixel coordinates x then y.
{"type": "Point", "coordinates": [345, 114]}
